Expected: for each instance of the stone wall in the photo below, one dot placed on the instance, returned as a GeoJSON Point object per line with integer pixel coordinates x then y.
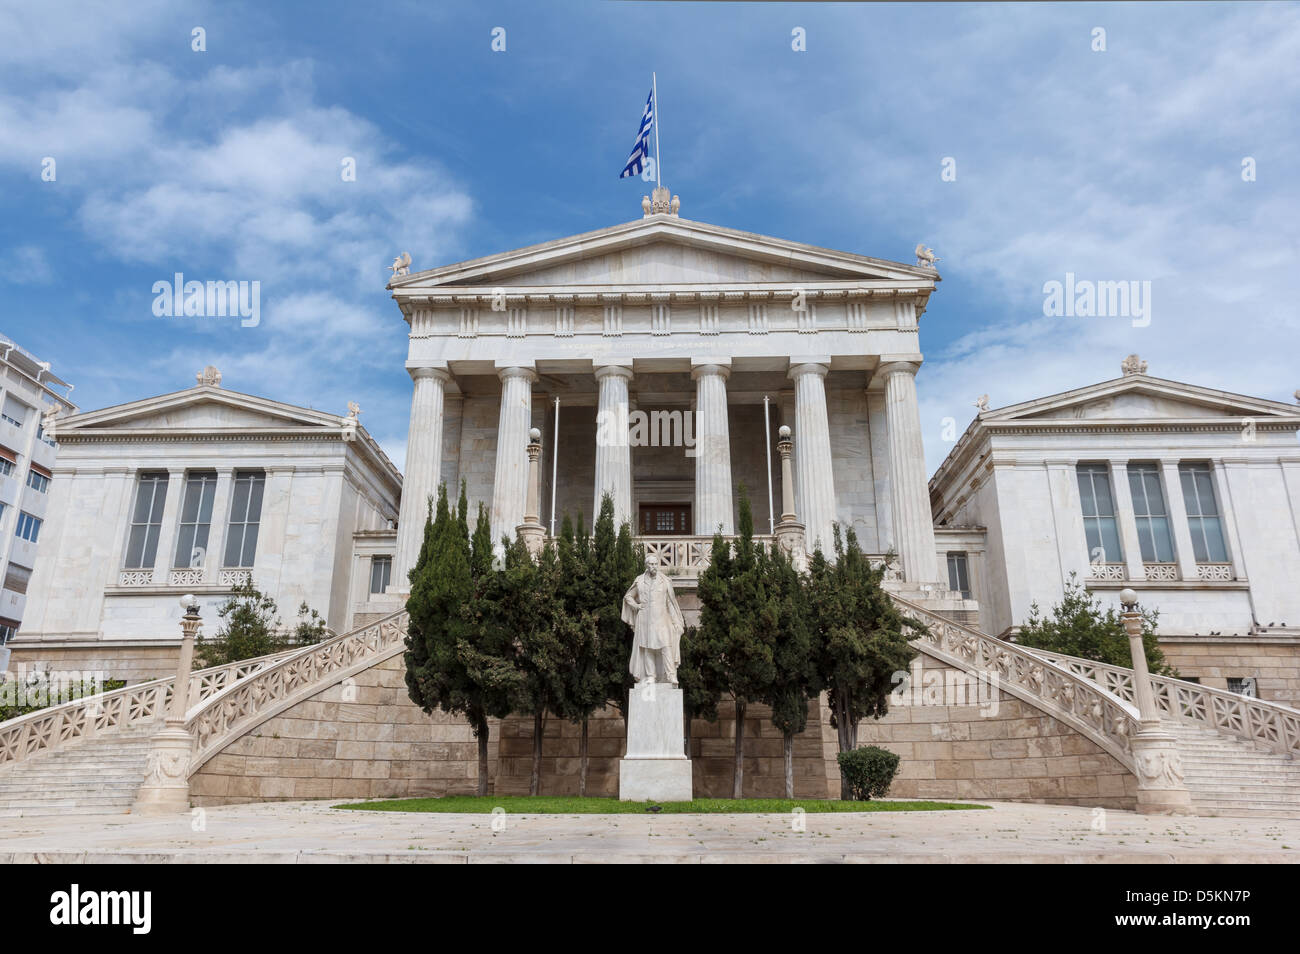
{"type": "Point", "coordinates": [362, 740]}
{"type": "Point", "coordinates": [1003, 749]}
{"type": "Point", "coordinates": [1274, 661]}
{"type": "Point", "coordinates": [132, 664]}
{"type": "Point", "coordinates": [712, 755]}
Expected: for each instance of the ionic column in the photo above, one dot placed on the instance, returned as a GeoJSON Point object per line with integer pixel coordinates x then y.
{"type": "Point", "coordinates": [814, 481]}
{"type": "Point", "coordinates": [713, 488]}
{"type": "Point", "coordinates": [909, 490]}
{"type": "Point", "coordinates": [510, 486]}
{"type": "Point", "coordinates": [423, 467]}
{"type": "Point", "coordinates": [613, 455]}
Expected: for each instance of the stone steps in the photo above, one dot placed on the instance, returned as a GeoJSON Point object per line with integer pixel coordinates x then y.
{"type": "Point", "coordinates": [1238, 777]}
{"type": "Point", "coordinates": [98, 776]}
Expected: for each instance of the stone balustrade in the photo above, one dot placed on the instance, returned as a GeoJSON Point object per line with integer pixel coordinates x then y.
{"type": "Point", "coordinates": [1255, 720]}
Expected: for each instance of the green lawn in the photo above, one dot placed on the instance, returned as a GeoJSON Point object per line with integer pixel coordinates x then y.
{"type": "Point", "coordinates": [547, 805]}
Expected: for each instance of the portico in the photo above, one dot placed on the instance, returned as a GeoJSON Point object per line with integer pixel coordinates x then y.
{"type": "Point", "coordinates": [658, 358]}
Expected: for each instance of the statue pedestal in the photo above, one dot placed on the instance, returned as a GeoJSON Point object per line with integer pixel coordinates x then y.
{"type": "Point", "coordinates": [655, 767]}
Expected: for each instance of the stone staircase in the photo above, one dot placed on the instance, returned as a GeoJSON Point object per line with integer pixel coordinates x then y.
{"type": "Point", "coordinates": [1228, 776]}
{"type": "Point", "coordinates": [95, 777]}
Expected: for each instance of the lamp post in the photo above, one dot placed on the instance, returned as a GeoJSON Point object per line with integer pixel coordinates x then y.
{"type": "Point", "coordinates": [789, 531]}
{"type": "Point", "coordinates": [1155, 750]}
{"type": "Point", "coordinates": [166, 786]}
{"type": "Point", "coordinates": [531, 531]}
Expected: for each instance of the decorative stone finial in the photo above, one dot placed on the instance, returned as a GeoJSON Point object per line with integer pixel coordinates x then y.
{"type": "Point", "coordinates": [351, 422]}
{"type": "Point", "coordinates": [48, 419]}
{"type": "Point", "coordinates": [1297, 396]}
{"type": "Point", "coordinates": [982, 403]}
{"type": "Point", "coordinates": [401, 265]}
{"type": "Point", "coordinates": [354, 411]}
{"type": "Point", "coordinates": [783, 432]}
{"type": "Point", "coordinates": [925, 257]}
{"type": "Point", "coordinates": [209, 377]}
{"type": "Point", "coordinates": [660, 202]}
{"type": "Point", "coordinates": [534, 435]}
{"type": "Point", "coordinates": [1133, 365]}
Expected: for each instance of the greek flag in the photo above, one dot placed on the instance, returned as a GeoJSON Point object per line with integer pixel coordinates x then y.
{"type": "Point", "coordinates": [641, 149]}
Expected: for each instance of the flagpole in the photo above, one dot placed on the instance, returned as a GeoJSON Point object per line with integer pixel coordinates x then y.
{"type": "Point", "coordinates": [654, 89]}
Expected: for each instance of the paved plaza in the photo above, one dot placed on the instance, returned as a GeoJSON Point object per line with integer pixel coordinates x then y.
{"type": "Point", "coordinates": [314, 832]}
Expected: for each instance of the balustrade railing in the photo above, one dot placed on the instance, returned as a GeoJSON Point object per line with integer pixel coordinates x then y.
{"type": "Point", "coordinates": [139, 705]}
{"type": "Point", "coordinates": [1255, 720]}
{"type": "Point", "coordinates": [225, 715]}
{"type": "Point", "coordinates": [1103, 716]}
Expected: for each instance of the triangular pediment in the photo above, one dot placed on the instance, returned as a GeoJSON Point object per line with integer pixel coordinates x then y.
{"type": "Point", "coordinates": [1140, 397]}
{"type": "Point", "coordinates": [663, 250]}
{"type": "Point", "coordinates": [199, 408]}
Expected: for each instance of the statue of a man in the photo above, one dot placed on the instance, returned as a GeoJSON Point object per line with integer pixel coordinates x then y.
{"type": "Point", "coordinates": [650, 608]}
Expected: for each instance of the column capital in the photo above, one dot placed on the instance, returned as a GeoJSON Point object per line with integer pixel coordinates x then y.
{"type": "Point", "coordinates": [710, 366]}
{"type": "Point", "coordinates": [899, 366]}
{"type": "Point", "coordinates": [819, 368]}
{"type": "Point", "coordinates": [517, 371]}
{"type": "Point", "coordinates": [619, 369]}
{"type": "Point", "coordinates": [428, 371]}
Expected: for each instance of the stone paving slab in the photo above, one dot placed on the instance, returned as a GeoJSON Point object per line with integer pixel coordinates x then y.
{"type": "Point", "coordinates": [314, 832]}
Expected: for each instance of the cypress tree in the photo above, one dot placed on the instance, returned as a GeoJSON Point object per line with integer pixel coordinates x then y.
{"type": "Point", "coordinates": [859, 636]}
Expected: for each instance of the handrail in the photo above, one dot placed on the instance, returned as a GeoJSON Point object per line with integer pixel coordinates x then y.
{"type": "Point", "coordinates": [249, 702]}
{"type": "Point", "coordinates": [1099, 714]}
{"type": "Point", "coordinates": [1255, 720]}
{"type": "Point", "coordinates": [144, 703]}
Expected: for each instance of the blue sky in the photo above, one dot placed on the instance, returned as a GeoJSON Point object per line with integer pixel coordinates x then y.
{"type": "Point", "coordinates": [1117, 165]}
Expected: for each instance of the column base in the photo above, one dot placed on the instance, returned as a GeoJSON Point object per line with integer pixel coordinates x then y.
{"type": "Point", "coordinates": [793, 540]}
{"type": "Point", "coordinates": [1160, 773]}
{"type": "Point", "coordinates": [166, 786]}
{"type": "Point", "coordinates": [533, 535]}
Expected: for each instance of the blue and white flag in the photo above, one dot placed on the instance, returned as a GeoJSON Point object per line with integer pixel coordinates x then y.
{"type": "Point", "coordinates": [636, 161]}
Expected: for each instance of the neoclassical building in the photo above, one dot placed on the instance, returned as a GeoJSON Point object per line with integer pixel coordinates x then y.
{"type": "Point", "coordinates": [658, 358]}
{"type": "Point", "coordinates": [1189, 495]}
{"type": "Point", "coordinates": [193, 492]}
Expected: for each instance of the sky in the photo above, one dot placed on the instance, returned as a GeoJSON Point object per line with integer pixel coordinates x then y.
{"type": "Point", "coordinates": [1018, 141]}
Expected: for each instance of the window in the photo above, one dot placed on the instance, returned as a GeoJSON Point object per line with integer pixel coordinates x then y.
{"type": "Point", "coordinates": [245, 512]}
{"type": "Point", "coordinates": [15, 412]}
{"type": "Point", "coordinates": [196, 519]}
{"type": "Point", "coordinates": [1149, 509]}
{"type": "Point", "coordinates": [381, 572]}
{"type": "Point", "coordinates": [6, 467]}
{"type": "Point", "coordinates": [1244, 686]}
{"type": "Point", "coordinates": [7, 629]}
{"type": "Point", "coordinates": [146, 522]}
{"type": "Point", "coordinates": [958, 574]}
{"type": "Point", "coordinates": [1099, 514]}
{"type": "Point", "coordinates": [665, 519]}
{"type": "Point", "coordinates": [29, 527]}
{"type": "Point", "coordinates": [38, 481]}
{"type": "Point", "coordinates": [1202, 514]}
{"type": "Point", "coordinates": [16, 578]}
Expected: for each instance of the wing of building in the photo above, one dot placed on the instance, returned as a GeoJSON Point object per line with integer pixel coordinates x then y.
{"type": "Point", "coordinates": [1189, 495]}
{"type": "Point", "coordinates": [193, 492]}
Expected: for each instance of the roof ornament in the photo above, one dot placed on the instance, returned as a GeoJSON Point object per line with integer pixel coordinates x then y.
{"type": "Point", "coordinates": [209, 377]}
{"type": "Point", "coordinates": [659, 203]}
{"type": "Point", "coordinates": [925, 257]}
{"type": "Point", "coordinates": [48, 420]}
{"type": "Point", "coordinates": [351, 422]}
{"type": "Point", "coordinates": [401, 265]}
{"type": "Point", "coordinates": [982, 403]}
{"type": "Point", "coordinates": [1297, 396]}
{"type": "Point", "coordinates": [1133, 365]}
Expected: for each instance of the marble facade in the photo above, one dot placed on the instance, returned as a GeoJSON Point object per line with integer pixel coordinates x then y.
{"type": "Point", "coordinates": [658, 358]}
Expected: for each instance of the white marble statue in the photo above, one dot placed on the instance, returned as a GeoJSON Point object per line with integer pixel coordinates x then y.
{"type": "Point", "coordinates": [650, 608]}
{"type": "Point", "coordinates": [401, 265]}
{"type": "Point", "coordinates": [925, 256]}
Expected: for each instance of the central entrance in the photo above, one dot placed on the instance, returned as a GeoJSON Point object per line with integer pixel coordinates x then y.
{"type": "Point", "coordinates": [664, 519]}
